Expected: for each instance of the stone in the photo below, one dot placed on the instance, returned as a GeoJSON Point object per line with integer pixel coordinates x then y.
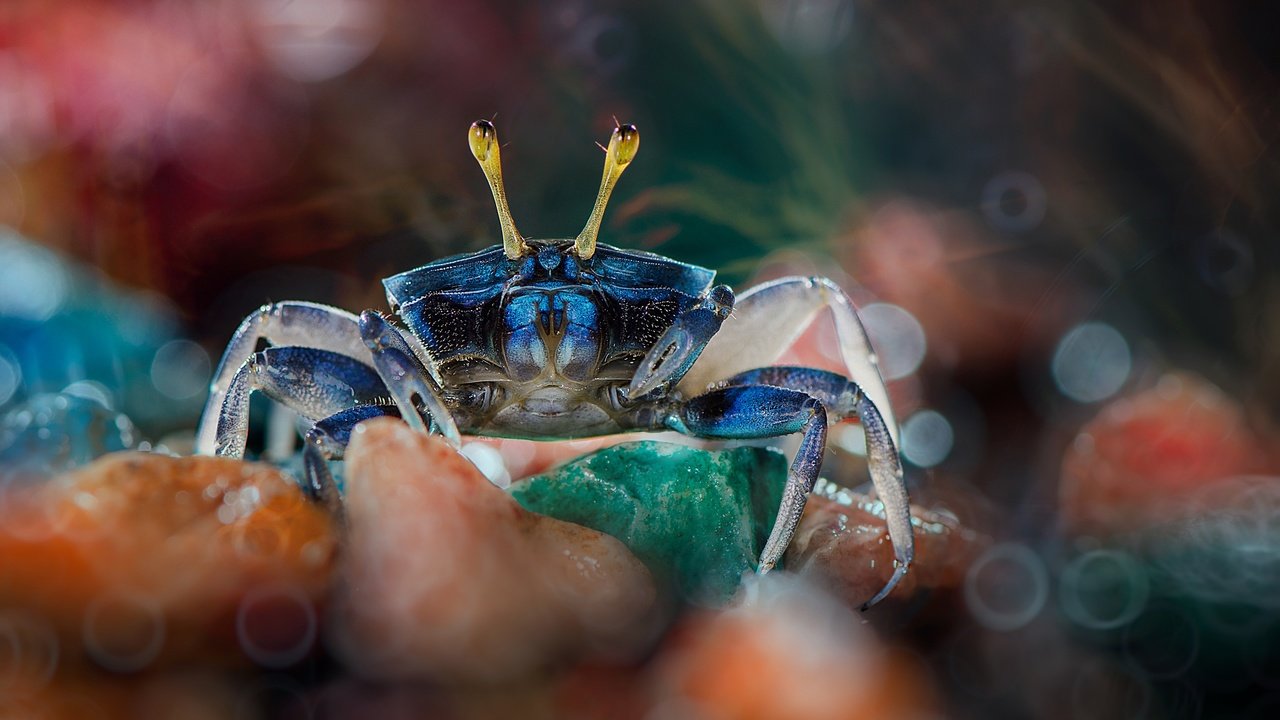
{"type": "Point", "coordinates": [444, 576]}
{"type": "Point", "coordinates": [1153, 455]}
{"type": "Point", "coordinates": [137, 560]}
{"type": "Point", "coordinates": [842, 544]}
{"type": "Point", "coordinates": [697, 518]}
{"type": "Point", "coordinates": [187, 694]}
{"type": "Point", "coordinates": [784, 649]}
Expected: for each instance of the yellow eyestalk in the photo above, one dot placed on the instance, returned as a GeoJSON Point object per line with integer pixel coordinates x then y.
{"type": "Point", "coordinates": [622, 150]}
{"type": "Point", "coordinates": [483, 139]}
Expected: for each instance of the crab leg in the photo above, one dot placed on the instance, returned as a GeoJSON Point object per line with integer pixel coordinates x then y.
{"type": "Point", "coordinates": [768, 318]}
{"type": "Point", "coordinates": [313, 383]}
{"type": "Point", "coordinates": [760, 411]}
{"type": "Point", "coordinates": [406, 377]}
{"type": "Point", "coordinates": [843, 398]}
{"type": "Point", "coordinates": [327, 440]}
{"type": "Point", "coordinates": [299, 324]}
{"type": "Point", "coordinates": [320, 327]}
{"type": "Point", "coordinates": [682, 343]}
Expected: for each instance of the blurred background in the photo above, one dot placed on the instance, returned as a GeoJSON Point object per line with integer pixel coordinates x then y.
{"type": "Point", "coordinates": [1059, 220]}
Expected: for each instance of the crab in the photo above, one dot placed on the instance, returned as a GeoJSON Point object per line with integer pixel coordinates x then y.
{"type": "Point", "coordinates": [567, 338]}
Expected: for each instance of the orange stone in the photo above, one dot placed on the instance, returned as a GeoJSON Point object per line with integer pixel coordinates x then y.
{"type": "Point", "coordinates": [787, 651]}
{"type": "Point", "coordinates": [1155, 455]}
{"type": "Point", "coordinates": [137, 559]}
{"type": "Point", "coordinates": [445, 576]}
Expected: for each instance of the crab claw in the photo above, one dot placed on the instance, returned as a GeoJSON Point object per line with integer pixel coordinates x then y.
{"type": "Point", "coordinates": [679, 347]}
{"type": "Point", "coordinates": [406, 377]}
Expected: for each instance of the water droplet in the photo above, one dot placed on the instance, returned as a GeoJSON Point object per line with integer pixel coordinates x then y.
{"type": "Point", "coordinates": [10, 375]}
{"type": "Point", "coordinates": [180, 370]}
{"type": "Point", "coordinates": [897, 336]}
{"type": "Point", "coordinates": [123, 633]}
{"type": "Point", "coordinates": [1014, 201]}
{"type": "Point", "coordinates": [1092, 362]}
{"type": "Point", "coordinates": [1006, 587]}
{"type": "Point", "coordinates": [1103, 589]}
{"type": "Point", "coordinates": [33, 282]}
{"type": "Point", "coordinates": [927, 438]}
{"type": "Point", "coordinates": [226, 514]}
{"type": "Point", "coordinates": [314, 553]}
{"type": "Point", "coordinates": [91, 390]}
{"type": "Point", "coordinates": [276, 625]}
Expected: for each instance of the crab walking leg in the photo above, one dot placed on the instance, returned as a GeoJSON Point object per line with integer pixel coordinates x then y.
{"type": "Point", "coordinates": [313, 383]}
{"type": "Point", "coordinates": [768, 318]}
{"type": "Point", "coordinates": [328, 440]}
{"type": "Point", "coordinates": [759, 411]}
{"type": "Point", "coordinates": [299, 324]}
{"type": "Point", "coordinates": [406, 377]}
{"type": "Point", "coordinates": [843, 398]}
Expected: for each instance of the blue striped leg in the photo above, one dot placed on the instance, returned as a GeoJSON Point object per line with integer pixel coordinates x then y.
{"type": "Point", "coordinates": [767, 320]}
{"type": "Point", "coordinates": [308, 325]}
{"type": "Point", "coordinates": [299, 324]}
{"type": "Point", "coordinates": [843, 398]}
{"type": "Point", "coordinates": [759, 411]}
{"type": "Point", "coordinates": [328, 440]}
{"type": "Point", "coordinates": [313, 383]}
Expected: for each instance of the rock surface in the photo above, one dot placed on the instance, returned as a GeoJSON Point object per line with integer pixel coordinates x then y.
{"type": "Point", "coordinates": [140, 559]}
{"type": "Point", "coordinates": [1153, 456]}
{"type": "Point", "coordinates": [785, 650]}
{"type": "Point", "coordinates": [697, 518]}
{"type": "Point", "coordinates": [446, 577]}
{"type": "Point", "coordinates": [842, 544]}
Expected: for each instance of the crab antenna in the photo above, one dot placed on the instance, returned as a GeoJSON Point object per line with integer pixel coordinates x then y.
{"type": "Point", "coordinates": [622, 149]}
{"type": "Point", "coordinates": [483, 139]}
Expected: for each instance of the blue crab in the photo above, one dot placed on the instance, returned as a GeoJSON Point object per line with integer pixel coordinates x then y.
{"type": "Point", "coordinates": [555, 339]}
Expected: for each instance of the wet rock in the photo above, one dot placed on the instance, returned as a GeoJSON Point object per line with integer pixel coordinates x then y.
{"type": "Point", "coordinates": [73, 696]}
{"type": "Point", "coordinates": [697, 518]}
{"type": "Point", "coordinates": [843, 545]}
{"type": "Point", "coordinates": [140, 559]}
{"type": "Point", "coordinates": [445, 576]}
{"type": "Point", "coordinates": [785, 650]}
{"type": "Point", "coordinates": [1151, 457]}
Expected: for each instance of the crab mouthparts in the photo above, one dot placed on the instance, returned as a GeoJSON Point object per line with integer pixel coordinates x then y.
{"type": "Point", "coordinates": [553, 411]}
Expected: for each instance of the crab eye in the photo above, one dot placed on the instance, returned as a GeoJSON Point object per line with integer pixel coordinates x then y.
{"type": "Point", "coordinates": [628, 139]}
{"type": "Point", "coordinates": [623, 145]}
{"type": "Point", "coordinates": [483, 139]}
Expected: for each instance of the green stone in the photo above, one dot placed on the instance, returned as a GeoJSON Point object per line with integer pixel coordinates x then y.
{"type": "Point", "coordinates": [697, 518]}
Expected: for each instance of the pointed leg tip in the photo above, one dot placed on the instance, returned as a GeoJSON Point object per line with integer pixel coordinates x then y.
{"type": "Point", "coordinates": [898, 574]}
